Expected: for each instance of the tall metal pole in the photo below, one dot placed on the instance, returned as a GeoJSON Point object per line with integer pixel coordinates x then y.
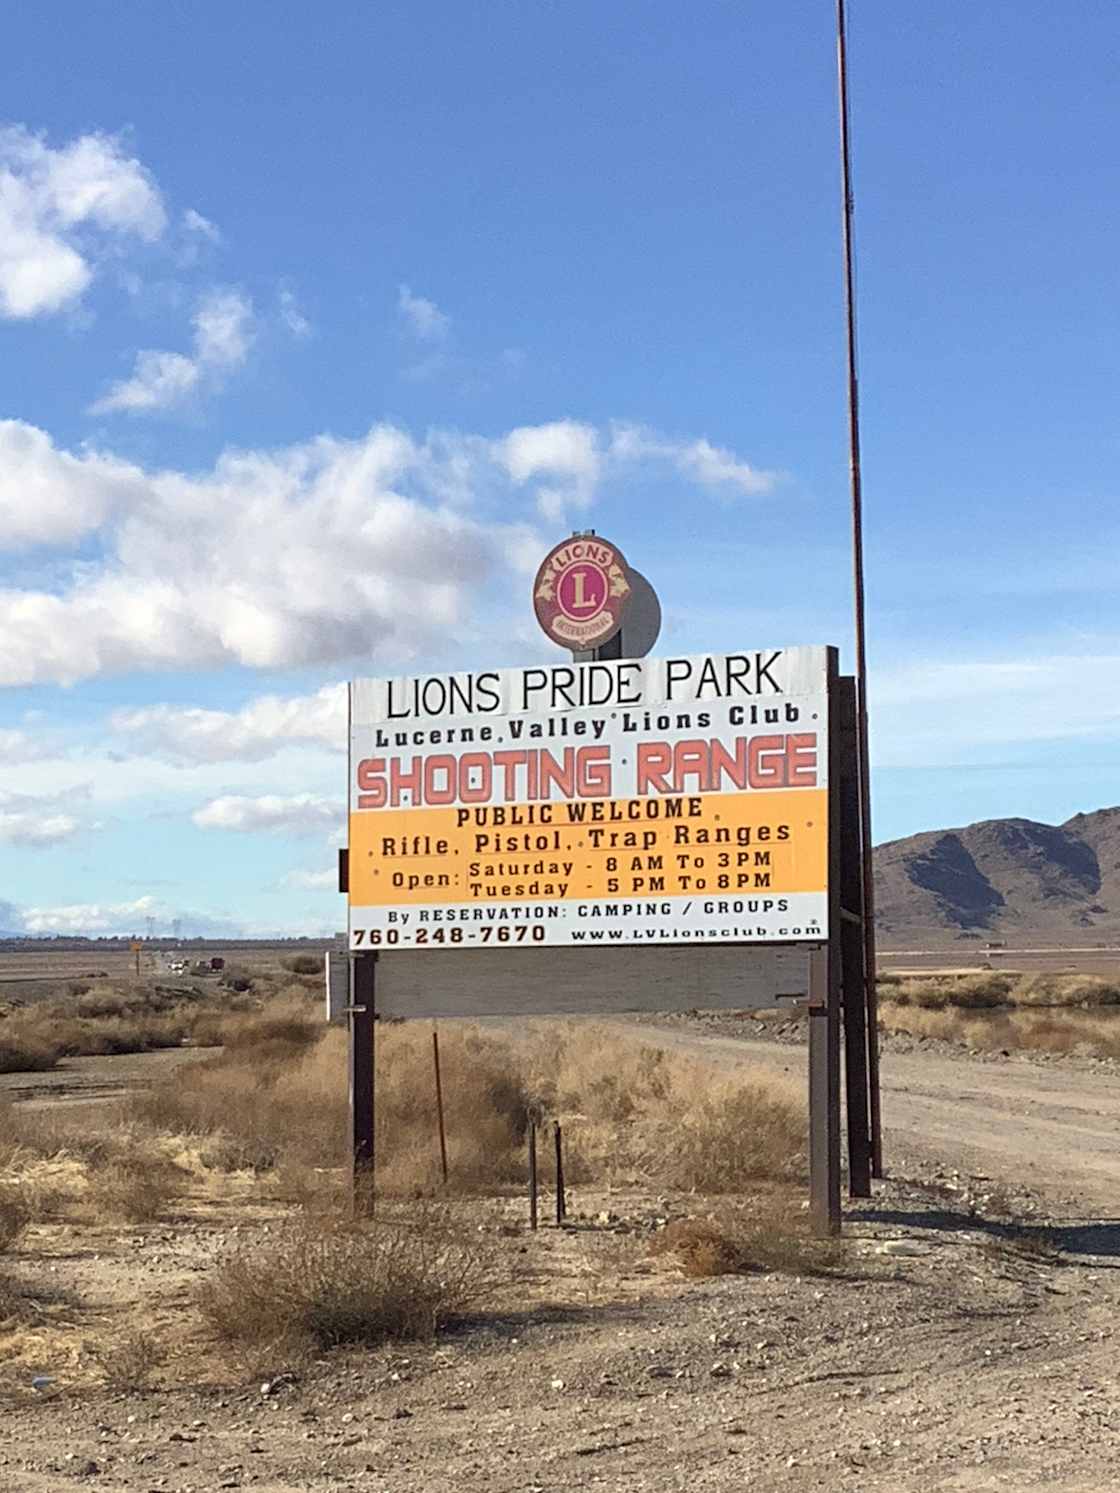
{"type": "Point", "coordinates": [860, 628]}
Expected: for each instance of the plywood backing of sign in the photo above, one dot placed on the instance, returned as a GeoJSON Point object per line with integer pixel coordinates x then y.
{"type": "Point", "coordinates": [505, 981]}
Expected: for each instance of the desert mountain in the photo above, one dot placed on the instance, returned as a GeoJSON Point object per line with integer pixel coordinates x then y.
{"type": "Point", "coordinates": [1003, 879]}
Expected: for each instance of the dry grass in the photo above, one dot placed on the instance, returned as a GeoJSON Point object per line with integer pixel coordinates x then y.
{"type": "Point", "coordinates": [276, 1103]}
{"type": "Point", "coordinates": [59, 1164]}
{"type": "Point", "coordinates": [733, 1137]}
{"type": "Point", "coordinates": [25, 1048]}
{"type": "Point", "coordinates": [129, 1362]}
{"type": "Point", "coordinates": [487, 1098]}
{"type": "Point", "coordinates": [109, 1019]}
{"type": "Point", "coordinates": [326, 1280]}
{"type": "Point", "coordinates": [15, 1214]}
{"type": "Point", "coordinates": [771, 1234]}
{"type": "Point", "coordinates": [278, 1100]}
{"type": "Point", "coordinates": [990, 989]}
{"type": "Point", "coordinates": [1086, 1033]}
{"type": "Point", "coordinates": [136, 1191]}
{"type": "Point", "coordinates": [304, 964]}
{"type": "Point", "coordinates": [1006, 1012]}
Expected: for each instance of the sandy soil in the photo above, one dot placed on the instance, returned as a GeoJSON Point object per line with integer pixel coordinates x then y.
{"type": "Point", "coordinates": [948, 1352]}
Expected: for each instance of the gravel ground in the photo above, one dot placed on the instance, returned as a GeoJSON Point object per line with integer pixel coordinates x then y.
{"type": "Point", "coordinates": [965, 1340]}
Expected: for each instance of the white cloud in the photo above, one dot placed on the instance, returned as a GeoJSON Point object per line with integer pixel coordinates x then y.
{"type": "Point", "coordinates": [90, 918]}
{"type": "Point", "coordinates": [310, 554]}
{"type": "Point", "coordinates": [159, 381]}
{"type": "Point", "coordinates": [293, 557]}
{"type": "Point", "coordinates": [57, 209]}
{"type": "Point", "coordinates": [18, 746]}
{"type": "Point", "coordinates": [223, 334]}
{"type": "Point", "coordinates": [313, 881]}
{"type": "Point", "coordinates": [711, 466]}
{"type": "Point", "coordinates": [26, 820]}
{"type": "Point", "coordinates": [292, 315]}
{"type": "Point", "coordinates": [194, 222]}
{"type": "Point", "coordinates": [423, 318]}
{"type": "Point", "coordinates": [564, 450]}
{"type": "Point", "coordinates": [574, 461]}
{"type": "Point", "coordinates": [223, 329]}
{"type": "Point", "coordinates": [51, 496]}
{"type": "Point", "coordinates": [303, 813]}
{"type": "Point", "coordinates": [259, 729]}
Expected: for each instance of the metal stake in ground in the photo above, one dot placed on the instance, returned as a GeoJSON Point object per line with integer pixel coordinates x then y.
{"type": "Point", "coordinates": [561, 1199]}
{"type": "Point", "coordinates": [533, 1175]}
{"type": "Point", "coordinates": [439, 1107]}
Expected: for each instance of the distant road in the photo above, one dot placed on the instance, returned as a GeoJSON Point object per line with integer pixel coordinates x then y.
{"type": "Point", "coordinates": [1048, 959]}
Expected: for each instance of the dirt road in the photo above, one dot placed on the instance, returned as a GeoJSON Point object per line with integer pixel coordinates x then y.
{"type": "Point", "coordinates": [1053, 1125]}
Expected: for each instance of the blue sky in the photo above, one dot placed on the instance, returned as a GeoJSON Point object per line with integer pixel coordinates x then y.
{"type": "Point", "coordinates": [320, 324]}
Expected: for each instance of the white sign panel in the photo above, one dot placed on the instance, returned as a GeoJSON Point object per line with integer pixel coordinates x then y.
{"type": "Point", "coordinates": [637, 801]}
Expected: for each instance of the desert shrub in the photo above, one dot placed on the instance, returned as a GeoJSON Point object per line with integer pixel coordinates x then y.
{"type": "Point", "coordinates": [253, 1113]}
{"type": "Point", "coordinates": [136, 1191]}
{"type": "Point", "coordinates": [56, 1132]}
{"type": "Point", "coordinates": [988, 989]}
{"type": "Point", "coordinates": [15, 1214]}
{"type": "Point", "coordinates": [108, 1022]}
{"type": "Point", "coordinates": [733, 1136]}
{"type": "Point", "coordinates": [23, 1049]}
{"type": "Point", "coordinates": [277, 1035]}
{"type": "Point", "coordinates": [106, 1001]}
{"type": "Point", "coordinates": [277, 1097]}
{"type": "Point", "coordinates": [1094, 1033]}
{"type": "Point", "coordinates": [303, 964]}
{"type": "Point", "coordinates": [946, 1026]}
{"type": "Point", "coordinates": [128, 1362]}
{"type": "Point", "coordinates": [327, 1280]}
{"type": "Point", "coordinates": [486, 1105]}
{"type": "Point", "coordinates": [975, 991]}
{"type": "Point", "coordinates": [1066, 990]}
{"type": "Point", "coordinates": [701, 1247]}
{"type": "Point", "coordinates": [275, 1101]}
{"type": "Point", "coordinates": [77, 987]}
{"type": "Point", "coordinates": [597, 1072]}
{"type": "Point", "coordinates": [770, 1234]}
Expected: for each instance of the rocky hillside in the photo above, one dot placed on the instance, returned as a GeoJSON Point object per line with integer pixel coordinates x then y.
{"type": "Point", "coordinates": [1004, 878]}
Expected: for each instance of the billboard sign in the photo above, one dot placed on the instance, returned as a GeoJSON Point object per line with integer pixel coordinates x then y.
{"type": "Point", "coordinates": [636, 801]}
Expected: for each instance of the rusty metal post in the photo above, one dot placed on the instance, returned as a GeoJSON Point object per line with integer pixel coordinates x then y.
{"type": "Point", "coordinates": [533, 1175]}
{"type": "Point", "coordinates": [439, 1107]}
{"type": "Point", "coordinates": [361, 1083]}
{"type": "Point", "coordinates": [856, 480]}
{"type": "Point", "coordinates": [824, 1007]}
{"type": "Point", "coordinates": [853, 983]}
{"type": "Point", "coordinates": [561, 1197]}
{"type": "Point", "coordinates": [824, 1097]}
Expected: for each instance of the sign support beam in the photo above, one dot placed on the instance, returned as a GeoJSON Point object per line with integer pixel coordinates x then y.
{"type": "Point", "coordinates": [852, 946]}
{"type": "Point", "coordinates": [824, 1095]}
{"type": "Point", "coordinates": [361, 1083]}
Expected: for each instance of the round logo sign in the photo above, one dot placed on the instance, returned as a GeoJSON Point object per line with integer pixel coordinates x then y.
{"type": "Point", "coordinates": [581, 592]}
